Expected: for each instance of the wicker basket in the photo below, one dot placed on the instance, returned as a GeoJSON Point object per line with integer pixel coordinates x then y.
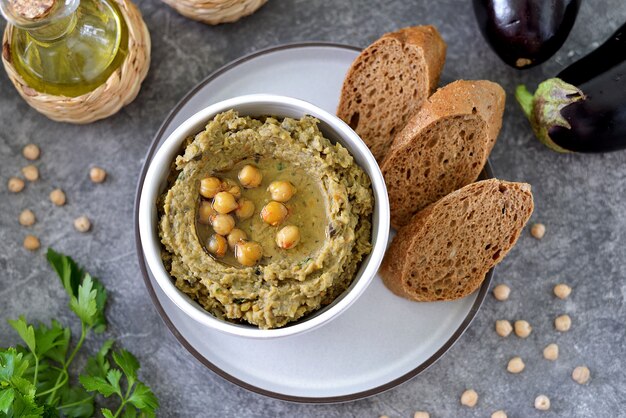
{"type": "Point", "coordinates": [120, 89]}
{"type": "Point", "coordinates": [214, 12]}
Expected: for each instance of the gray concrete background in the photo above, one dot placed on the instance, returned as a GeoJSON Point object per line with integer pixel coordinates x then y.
{"type": "Point", "coordinates": [580, 198]}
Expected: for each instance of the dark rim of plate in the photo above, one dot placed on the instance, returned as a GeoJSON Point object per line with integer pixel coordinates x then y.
{"type": "Point", "coordinates": [482, 292]}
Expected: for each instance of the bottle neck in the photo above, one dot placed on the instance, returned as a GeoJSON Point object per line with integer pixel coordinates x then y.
{"type": "Point", "coordinates": [60, 21]}
{"type": "Point", "coordinates": [55, 29]}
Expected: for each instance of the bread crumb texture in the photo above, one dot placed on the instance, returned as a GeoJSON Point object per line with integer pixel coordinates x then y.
{"type": "Point", "coordinates": [447, 249]}
{"type": "Point", "coordinates": [443, 147]}
{"type": "Point", "coordinates": [388, 82]}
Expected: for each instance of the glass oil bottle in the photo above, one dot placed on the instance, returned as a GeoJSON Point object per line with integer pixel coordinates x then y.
{"type": "Point", "coordinates": [66, 47]}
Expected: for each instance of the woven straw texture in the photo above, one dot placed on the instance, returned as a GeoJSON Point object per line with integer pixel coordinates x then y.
{"type": "Point", "coordinates": [214, 12]}
{"type": "Point", "coordinates": [120, 89]}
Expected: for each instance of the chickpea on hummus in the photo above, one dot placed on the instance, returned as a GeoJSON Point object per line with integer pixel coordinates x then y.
{"type": "Point", "coordinates": [264, 220]}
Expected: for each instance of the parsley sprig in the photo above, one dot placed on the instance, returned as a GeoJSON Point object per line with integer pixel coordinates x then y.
{"type": "Point", "coordinates": [35, 379]}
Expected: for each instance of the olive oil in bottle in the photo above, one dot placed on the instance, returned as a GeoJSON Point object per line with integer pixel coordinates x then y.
{"type": "Point", "coordinates": [66, 47]}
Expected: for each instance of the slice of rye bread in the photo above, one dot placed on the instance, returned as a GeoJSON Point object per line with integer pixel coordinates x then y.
{"type": "Point", "coordinates": [443, 147]}
{"type": "Point", "coordinates": [388, 82]}
{"type": "Point", "coordinates": [447, 249]}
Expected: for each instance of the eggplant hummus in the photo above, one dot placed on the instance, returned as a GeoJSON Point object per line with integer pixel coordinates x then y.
{"type": "Point", "coordinates": [264, 220]}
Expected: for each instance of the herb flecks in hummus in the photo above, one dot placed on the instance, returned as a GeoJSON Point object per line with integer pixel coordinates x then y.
{"type": "Point", "coordinates": [288, 283]}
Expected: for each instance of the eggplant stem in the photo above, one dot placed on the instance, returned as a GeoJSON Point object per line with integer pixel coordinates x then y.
{"type": "Point", "coordinates": [525, 99]}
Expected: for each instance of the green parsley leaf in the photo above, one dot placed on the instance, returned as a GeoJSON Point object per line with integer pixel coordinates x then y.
{"type": "Point", "coordinates": [98, 365]}
{"type": "Point", "coordinates": [11, 365]}
{"type": "Point", "coordinates": [49, 411]}
{"type": "Point", "coordinates": [35, 380]}
{"type": "Point", "coordinates": [6, 399]}
{"type": "Point", "coordinates": [72, 277]}
{"type": "Point", "coordinates": [26, 332]}
{"type": "Point", "coordinates": [107, 413]}
{"type": "Point", "coordinates": [114, 376]}
{"type": "Point", "coordinates": [26, 407]}
{"type": "Point", "coordinates": [67, 270]}
{"type": "Point", "coordinates": [84, 305]}
{"type": "Point", "coordinates": [97, 384]}
{"type": "Point", "coordinates": [148, 414]}
{"type": "Point", "coordinates": [129, 412]}
{"type": "Point", "coordinates": [24, 404]}
{"type": "Point", "coordinates": [76, 403]}
{"type": "Point", "coordinates": [24, 387]}
{"type": "Point", "coordinates": [128, 363]}
{"type": "Point", "coordinates": [52, 342]}
{"type": "Point", "coordinates": [100, 322]}
{"type": "Point", "coordinates": [143, 398]}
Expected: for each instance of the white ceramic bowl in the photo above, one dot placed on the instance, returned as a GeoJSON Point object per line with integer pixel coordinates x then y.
{"type": "Point", "coordinates": [256, 105]}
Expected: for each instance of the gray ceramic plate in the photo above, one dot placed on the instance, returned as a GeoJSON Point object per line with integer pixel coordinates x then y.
{"type": "Point", "coordinates": [381, 340]}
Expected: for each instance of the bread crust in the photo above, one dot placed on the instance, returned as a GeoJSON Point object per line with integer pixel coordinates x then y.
{"type": "Point", "coordinates": [433, 47]}
{"type": "Point", "coordinates": [423, 47]}
{"type": "Point", "coordinates": [447, 249]}
{"type": "Point", "coordinates": [477, 107]}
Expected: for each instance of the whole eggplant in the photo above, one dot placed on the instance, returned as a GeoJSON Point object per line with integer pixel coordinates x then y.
{"type": "Point", "coordinates": [525, 33]}
{"type": "Point", "coordinates": [583, 109]}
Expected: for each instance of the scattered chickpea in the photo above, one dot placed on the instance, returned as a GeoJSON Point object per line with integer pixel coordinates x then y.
{"type": "Point", "coordinates": [245, 209]}
{"type": "Point", "coordinates": [581, 375]}
{"type": "Point", "coordinates": [235, 236]}
{"type": "Point", "coordinates": [501, 292]}
{"type": "Point", "coordinates": [31, 173]}
{"type": "Point", "coordinates": [551, 352]}
{"type": "Point", "coordinates": [469, 398]}
{"type": "Point", "coordinates": [421, 414]}
{"type": "Point", "coordinates": [516, 365]}
{"type": "Point", "coordinates": [210, 186]}
{"type": "Point", "coordinates": [205, 212]}
{"type": "Point", "coordinates": [31, 243]}
{"type": "Point", "coordinates": [542, 403]}
{"type": "Point", "coordinates": [281, 191]}
{"type": "Point", "coordinates": [97, 174]}
{"type": "Point", "coordinates": [250, 176]}
{"type": "Point", "coordinates": [499, 414]}
{"type": "Point", "coordinates": [288, 237]}
{"type": "Point", "coordinates": [563, 323]}
{"type": "Point", "coordinates": [522, 329]}
{"type": "Point", "coordinates": [503, 327]}
{"type": "Point", "coordinates": [57, 196]}
{"type": "Point", "coordinates": [27, 218]}
{"type": "Point", "coordinates": [231, 187]}
{"type": "Point", "coordinates": [538, 230]}
{"type": "Point", "coordinates": [15, 185]}
{"type": "Point", "coordinates": [31, 152]}
{"type": "Point", "coordinates": [562, 291]}
{"type": "Point", "coordinates": [224, 203]}
{"type": "Point", "coordinates": [217, 245]}
{"type": "Point", "coordinates": [248, 253]}
{"type": "Point", "coordinates": [82, 224]}
{"type": "Point", "coordinates": [274, 213]}
{"type": "Point", "coordinates": [222, 224]}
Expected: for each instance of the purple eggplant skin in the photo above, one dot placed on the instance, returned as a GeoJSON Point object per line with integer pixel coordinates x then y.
{"type": "Point", "coordinates": [583, 109]}
{"type": "Point", "coordinates": [525, 33]}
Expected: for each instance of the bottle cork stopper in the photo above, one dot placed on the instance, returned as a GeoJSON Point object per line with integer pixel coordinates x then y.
{"type": "Point", "coordinates": [32, 9]}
